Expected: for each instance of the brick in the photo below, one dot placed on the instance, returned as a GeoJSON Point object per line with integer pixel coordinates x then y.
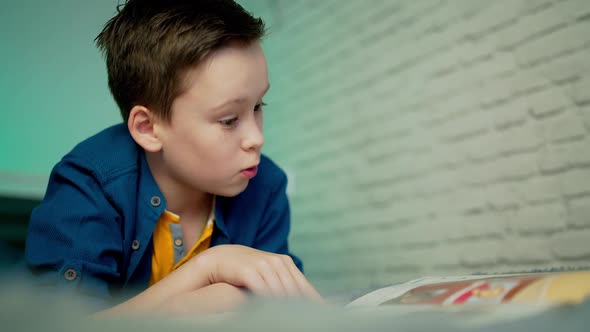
{"type": "Point", "coordinates": [425, 234]}
{"type": "Point", "coordinates": [546, 218]}
{"type": "Point", "coordinates": [567, 39]}
{"type": "Point", "coordinates": [548, 101]}
{"type": "Point", "coordinates": [443, 114]}
{"type": "Point", "coordinates": [571, 245]}
{"type": "Point", "coordinates": [566, 127]}
{"type": "Point", "coordinates": [375, 235]}
{"type": "Point", "coordinates": [543, 20]}
{"type": "Point", "coordinates": [481, 147]}
{"type": "Point", "coordinates": [466, 100]}
{"type": "Point", "coordinates": [582, 90]}
{"type": "Point", "coordinates": [477, 120]}
{"type": "Point", "coordinates": [383, 195]}
{"type": "Point", "coordinates": [444, 256]}
{"type": "Point", "coordinates": [377, 217]}
{"type": "Point", "coordinates": [412, 189]}
{"type": "Point", "coordinates": [456, 31]}
{"type": "Point", "coordinates": [483, 173]}
{"type": "Point", "coordinates": [515, 167]}
{"type": "Point", "coordinates": [387, 277]}
{"type": "Point", "coordinates": [527, 81]}
{"type": "Point", "coordinates": [566, 67]}
{"type": "Point", "coordinates": [579, 153]}
{"type": "Point", "coordinates": [563, 127]}
{"type": "Point", "coordinates": [412, 259]}
{"type": "Point", "coordinates": [586, 116]}
{"type": "Point", "coordinates": [511, 36]}
{"type": "Point", "coordinates": [471, 125]}
{"type": "Point", "coordinates": [409, 209]}
{"type": "Point", "coordinates": [541, 189]}
{"type": "Point", "coordinates": [478, 174]}
{"type": "Point", "coordinates": [574, 9]}
{"type": "Point", "coordinates": [445, 156]}
{"type": "Point", "coordinates": [532, 6]}
{"type": "Point", "coordinates": [503, 196]}
{"type": "Point", "coordinates": [527, 26]}
{"type": "Point", "coordinates": [496, 67]}
{"type": "Point", "coordinates": [493, 16]}
{"type": "Point", "coordinates": [444, 61]}
{"type": "Point", "coordinates": [579, 212]}
{"type": "Point", "coordinates": [438, 182]}
{"type": "Point", "coordinates": [468, 8]}
{"type": "Point", "coordinates": [433, 87]}
{"type": "Point", "coordinates": [474, 51]}
{"type": "Point", "coordinates": [519, 139]}
{"type": "Point", "coordinates": [480, 254]}
{"type": "Point", "coordinates": [439, 203]}
{"type": "Point", "coordinates": [501, 64]}
{"type": "Point", "coordinates": [573, 182]}
{"type": "Point", "coordinates": [446, 17]}
{"type": "Point", "coordinates": [481, 225]}
{"type": "Point", "coordinates": [415, 51]}
{"type": "Point", "coordinates": [389, 273]}
{"type": "Point", "coordinates": [450, 226]}
{"type": "Point", "coordinates": [418, 187]}
{"type": "Point", "coordinates": [517, 250]}
{"type": "Point", "coordinates": [495, 92]}
{"type": "Point", "coordinates": [466, 199]}
{"type": "Point", "coordinates": [379, 149]}
{"type": "Point", "coordinates": [554, 159]}
{"type": "Point", "coordinates": [414, 162]}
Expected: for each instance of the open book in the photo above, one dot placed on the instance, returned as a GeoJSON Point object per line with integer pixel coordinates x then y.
{"type": "Point", "coordinates": [526, 288]}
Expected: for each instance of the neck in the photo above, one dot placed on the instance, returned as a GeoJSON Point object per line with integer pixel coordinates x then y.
{"type": "Point", "coordinates": [180, 198]}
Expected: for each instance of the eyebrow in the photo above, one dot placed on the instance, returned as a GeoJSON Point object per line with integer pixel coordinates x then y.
{"type": "Point", "coordinates": [237, 100]}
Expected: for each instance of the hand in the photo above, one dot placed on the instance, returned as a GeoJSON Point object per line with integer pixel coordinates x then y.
{"type": "Point", "coordinates": [261, 272]}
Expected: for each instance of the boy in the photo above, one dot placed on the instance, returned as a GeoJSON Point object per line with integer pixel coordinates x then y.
{"type": "Point", "coordinates": [137, 205]}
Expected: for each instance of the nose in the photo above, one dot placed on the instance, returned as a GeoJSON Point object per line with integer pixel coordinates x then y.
{"type": "Point", "coordinates": [253, 136]}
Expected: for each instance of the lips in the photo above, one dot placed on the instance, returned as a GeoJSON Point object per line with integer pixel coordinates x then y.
{"type": "Point", "coordinates": [250, 172]}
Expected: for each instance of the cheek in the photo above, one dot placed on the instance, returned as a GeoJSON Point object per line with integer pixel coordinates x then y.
{"type": "Point", "coordinates": [210, 147]}
{"type": "Point", "coordinates": [259, 120]}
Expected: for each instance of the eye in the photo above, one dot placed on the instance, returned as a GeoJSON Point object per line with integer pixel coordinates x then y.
{"type": "Point", "coordinates": [229, 123]}
{"type": "Point", "coordinates": [259, 107]}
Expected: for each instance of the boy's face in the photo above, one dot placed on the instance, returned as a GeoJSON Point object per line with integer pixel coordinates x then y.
{"type": "Point", "coordinates": [214, 138]}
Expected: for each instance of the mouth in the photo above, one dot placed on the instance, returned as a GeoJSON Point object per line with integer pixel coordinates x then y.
{"type": "Point", "coordinates": [250, 172]}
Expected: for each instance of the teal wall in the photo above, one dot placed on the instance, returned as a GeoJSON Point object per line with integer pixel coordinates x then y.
{"type": "Point", "coordinates": [53, 86]}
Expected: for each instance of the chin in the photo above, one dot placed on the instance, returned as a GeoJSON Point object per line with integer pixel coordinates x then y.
{"type": "Point", "coordinates": [231, 191]}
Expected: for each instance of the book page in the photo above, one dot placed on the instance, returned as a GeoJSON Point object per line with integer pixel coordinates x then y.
{"type": "Point", "coordinates": [527, 288]}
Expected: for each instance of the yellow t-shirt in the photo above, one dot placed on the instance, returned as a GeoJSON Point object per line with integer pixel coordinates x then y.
{"type": "Point", "coordinates": [169, 251]}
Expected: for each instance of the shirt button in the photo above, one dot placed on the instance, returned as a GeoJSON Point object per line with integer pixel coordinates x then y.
{"type": "Point", "coordinates": [155, 201]}
{"type": "Point", "coordinates": [178, 242]}
{"type": "Point", "coordinates": [70, 274]}
{"type": "Point", "coordinates": [135, 245]}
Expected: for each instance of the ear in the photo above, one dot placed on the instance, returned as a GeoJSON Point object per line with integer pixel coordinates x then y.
{"type": "Point", "coordinates": [141, 124]}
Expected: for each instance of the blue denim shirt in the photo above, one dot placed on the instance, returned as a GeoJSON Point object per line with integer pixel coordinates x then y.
{"type": "Point", "coordinates": [92, 232]}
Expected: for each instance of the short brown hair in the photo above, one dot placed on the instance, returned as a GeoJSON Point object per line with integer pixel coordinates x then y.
{"type": "Point", "coordinates": [150, 44]}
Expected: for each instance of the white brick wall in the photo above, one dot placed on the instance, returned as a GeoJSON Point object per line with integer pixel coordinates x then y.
{"type": "Point", "coordinates": [432, 136]}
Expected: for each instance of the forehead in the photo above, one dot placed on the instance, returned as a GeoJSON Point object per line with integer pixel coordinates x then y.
{"type": "Point", "coordinates": [236, 71]}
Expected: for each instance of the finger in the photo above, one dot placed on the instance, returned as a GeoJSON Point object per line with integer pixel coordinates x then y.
{"type": "Point", "coordinates": [305, 287]}
{"type": "Point", "coordinates": [286, 277]}
{"type": "Point", "coordinates": [269, 274]}
{"type": "Point", "coordinates": [299, 280]}
{"type": "Point", "coordinates": [256, 283]}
